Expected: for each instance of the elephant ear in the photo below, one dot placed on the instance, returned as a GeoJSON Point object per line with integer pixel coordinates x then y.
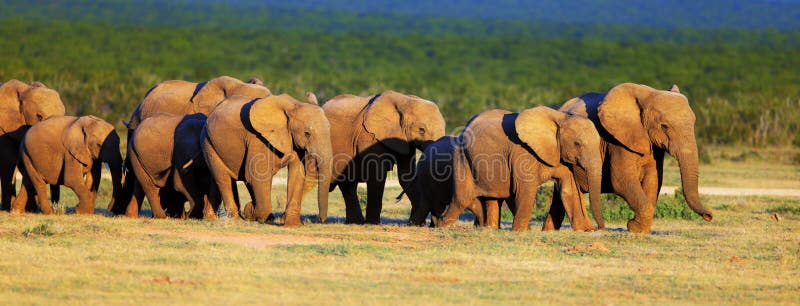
{"type": "Point", "coordinates": [75, 140]}
{"type": "Point", "coordinates": [268, 117]}
{"type": "Point", "coordinates": [383, 119]}
{"type": "Point", "coordinates": [11, 122]}
{"type": "Point", "coordinates": [674, 88]}
{"type": "Point", "coordinates": [620, 113]}
{"type": "Point", "coordinates": [538, 127]}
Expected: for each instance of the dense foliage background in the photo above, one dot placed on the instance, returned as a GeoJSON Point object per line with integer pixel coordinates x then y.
{"type": "Point", "coordinates": [742, 81]}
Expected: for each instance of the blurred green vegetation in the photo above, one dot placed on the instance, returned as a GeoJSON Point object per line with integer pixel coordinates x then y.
{"type": "Point", "coordinates": [742, 84]}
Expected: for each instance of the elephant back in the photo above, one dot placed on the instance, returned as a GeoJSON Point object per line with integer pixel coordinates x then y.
{"type": "Point", "coordinates": [167, 97]}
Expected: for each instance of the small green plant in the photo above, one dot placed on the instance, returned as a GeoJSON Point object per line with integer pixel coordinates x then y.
{"type": "Point", "coordinates": [43, 229]}
{"type": "Point", "coordinates": [615, 208]}
{"type": "Point", "coordinates": [674, 207]}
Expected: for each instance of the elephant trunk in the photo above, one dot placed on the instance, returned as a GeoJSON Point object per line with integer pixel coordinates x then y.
{"type": "Point", "coordinates": [115, 165]}
{"type": "Point", "coordinates": [321, 158]}
{"type": "Point", "coordinates": [688, 164]}
{"type": "Point", "coordinates": [595, 177]}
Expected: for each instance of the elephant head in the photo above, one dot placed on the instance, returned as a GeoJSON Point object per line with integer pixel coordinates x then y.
{"type": "Point", "coordinates": [403, 122]}
{"type": "Point", "coordinates": [30, 103]}
{"type": "Point", "coordinates": [639, 116]}
{"type": "Point", "coordinates": [287, 124]}
{"type": "Point", "coordinates": [556, 137]}
{"type": "Point", "coordinates": [215, 90]}
{"type": "Point", "coordinates": [93, 139]}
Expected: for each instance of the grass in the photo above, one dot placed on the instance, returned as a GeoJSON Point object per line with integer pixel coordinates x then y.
{"type": "Point", "coordinates": [744, 256]}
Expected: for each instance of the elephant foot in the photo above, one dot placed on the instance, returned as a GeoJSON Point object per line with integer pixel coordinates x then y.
{"type": "Point", "coordinates": [249, 211]}
{"type": "Point", "coordinates": [548, 225]}
{"type": "Point", "coordinates": [635, 226]}
{"type": "Point", "coordinates": [352, 220]}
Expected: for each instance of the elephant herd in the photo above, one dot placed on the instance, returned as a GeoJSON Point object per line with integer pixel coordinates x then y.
{"type": "Point", "coordinates": [192, 142]}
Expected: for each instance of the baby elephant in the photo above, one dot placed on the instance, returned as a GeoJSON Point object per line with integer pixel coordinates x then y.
{"type": "Point", "coordinates": [67, 150]}
{"type": "Point", "coordinates": [433, 184]}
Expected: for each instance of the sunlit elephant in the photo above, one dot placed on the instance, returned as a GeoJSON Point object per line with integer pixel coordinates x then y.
{"type": "Point", "coordinates": [372, 134]}
{"type": "Point", "coordinates": [69, 151]}
{"type": "Point", "coordinates": [251, 139]}
{"type": "Point", "coordinates": [433, 182]}
{"type": "Point", "coordinates": [180, 97]}
{"type": "Point", "coordinates": [638, 124]}
{"type": "Point", "coordinates": [506, 156]}
{"type": "Point", "coordinates": [21, 106]}
{"type": "Point", "coordinates": [166, 153]}
{"type": "Point", "coordinates": [183, 98]}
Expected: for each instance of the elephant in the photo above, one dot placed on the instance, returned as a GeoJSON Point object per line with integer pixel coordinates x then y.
{"type": "Point", "coordinates": [180, 98]}
{"type": "Point", "coordinates": [638, 124]}
{"type": "Point", "coordinates": [506, 156]}
{"type": "Point", "coordinates": [433, 182]}
{"type": "Point", "coordinates": [166, 153]}
{"type": "Point", "coordinates": [70, 151]}
{"type": "Point", "coordinates": [21, 106]}
{"type": "Point", "coordinates": [249, 140]}
{"type": "Point", "coordinates": [373, 134]}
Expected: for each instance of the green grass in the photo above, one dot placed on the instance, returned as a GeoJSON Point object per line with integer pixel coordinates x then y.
{"type": "Point", "coordinates": [743, 256]}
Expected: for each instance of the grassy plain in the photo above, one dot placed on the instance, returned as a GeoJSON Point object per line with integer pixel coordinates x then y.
{"type": "Point", "coordinates": [744, 256]}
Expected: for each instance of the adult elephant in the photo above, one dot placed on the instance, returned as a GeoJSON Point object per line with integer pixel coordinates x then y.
{"type": "Point", "coordinates": [167, 157]}
{"type": "Point", "coordinates": [503, 155]}
{"type": "Point", "coordinates": [638, 125]}
{"type": "Point", "coordinates": [251, 139]}
{"type": "Point", "coordinates": [21, 106]}
{"type": "Point", "coordinates": [180, 97]}
{"type": "Point", "coordinates": [372, 135]}
{"type": "Point", "coordinates": [70, 151]}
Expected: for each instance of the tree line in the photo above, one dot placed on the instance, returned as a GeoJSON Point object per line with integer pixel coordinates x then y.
{"type": "Point", "coordinates": [744, 91]}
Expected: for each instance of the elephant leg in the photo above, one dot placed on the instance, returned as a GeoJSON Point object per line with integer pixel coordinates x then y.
{"type": "Point", "coordinates": [185, 183]}
{"type": "Point", "coordinates": [127, 198]}
{"type": "Point", "coordinates": [7, 166]}
{"type": "Point", "coordinates": [211, 198]}
{"type": "Point", "coordinates": [224, 182]}
{"type": "Point", "coordinates": [135, 205]}
{"type": "Point", "coordinates": [651, 187]}
{"type": "Point", "coordinates": [375, 199]}
{"type": "Point", "coordinates": [525, 198]}
{"type": "Point", "coordinates": [262, 202]}
{"type": "Point", "coordinates": [573, 203]}
{"type": "Point", "coordinates": [492, 219]}
{"type": "Point", "coordinates": [555, 217]}
{"type": "Point", "coordinates": [81, 187]}
{"type": "Point", "coordinates": [35, 186]}
{"type": "Point", "coordinates": [294, 193]}
{"type": "Point", "coordinates": [633, 193]}
{"type": "Point", "coordinates": [55, 193]}
{"type": "Point", "coordinates": [406, 175]}
{"type": "Point", "coordinates": [353, 207]}
{"type": "Point", "coordinates": [456, 208]}
{"type": "Point", "coordinates": [154, 198]}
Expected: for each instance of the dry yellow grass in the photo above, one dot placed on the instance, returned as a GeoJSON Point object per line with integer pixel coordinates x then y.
{"type": "Point", "coordinates": [744, 256]}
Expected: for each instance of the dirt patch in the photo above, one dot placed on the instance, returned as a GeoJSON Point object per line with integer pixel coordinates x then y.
{"type": "Point", "coordinates": [253, 240]}
{"type": "Point", "coordinates": [598, 247]}
{"type": "Point", "coordinates": [169, 281]}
